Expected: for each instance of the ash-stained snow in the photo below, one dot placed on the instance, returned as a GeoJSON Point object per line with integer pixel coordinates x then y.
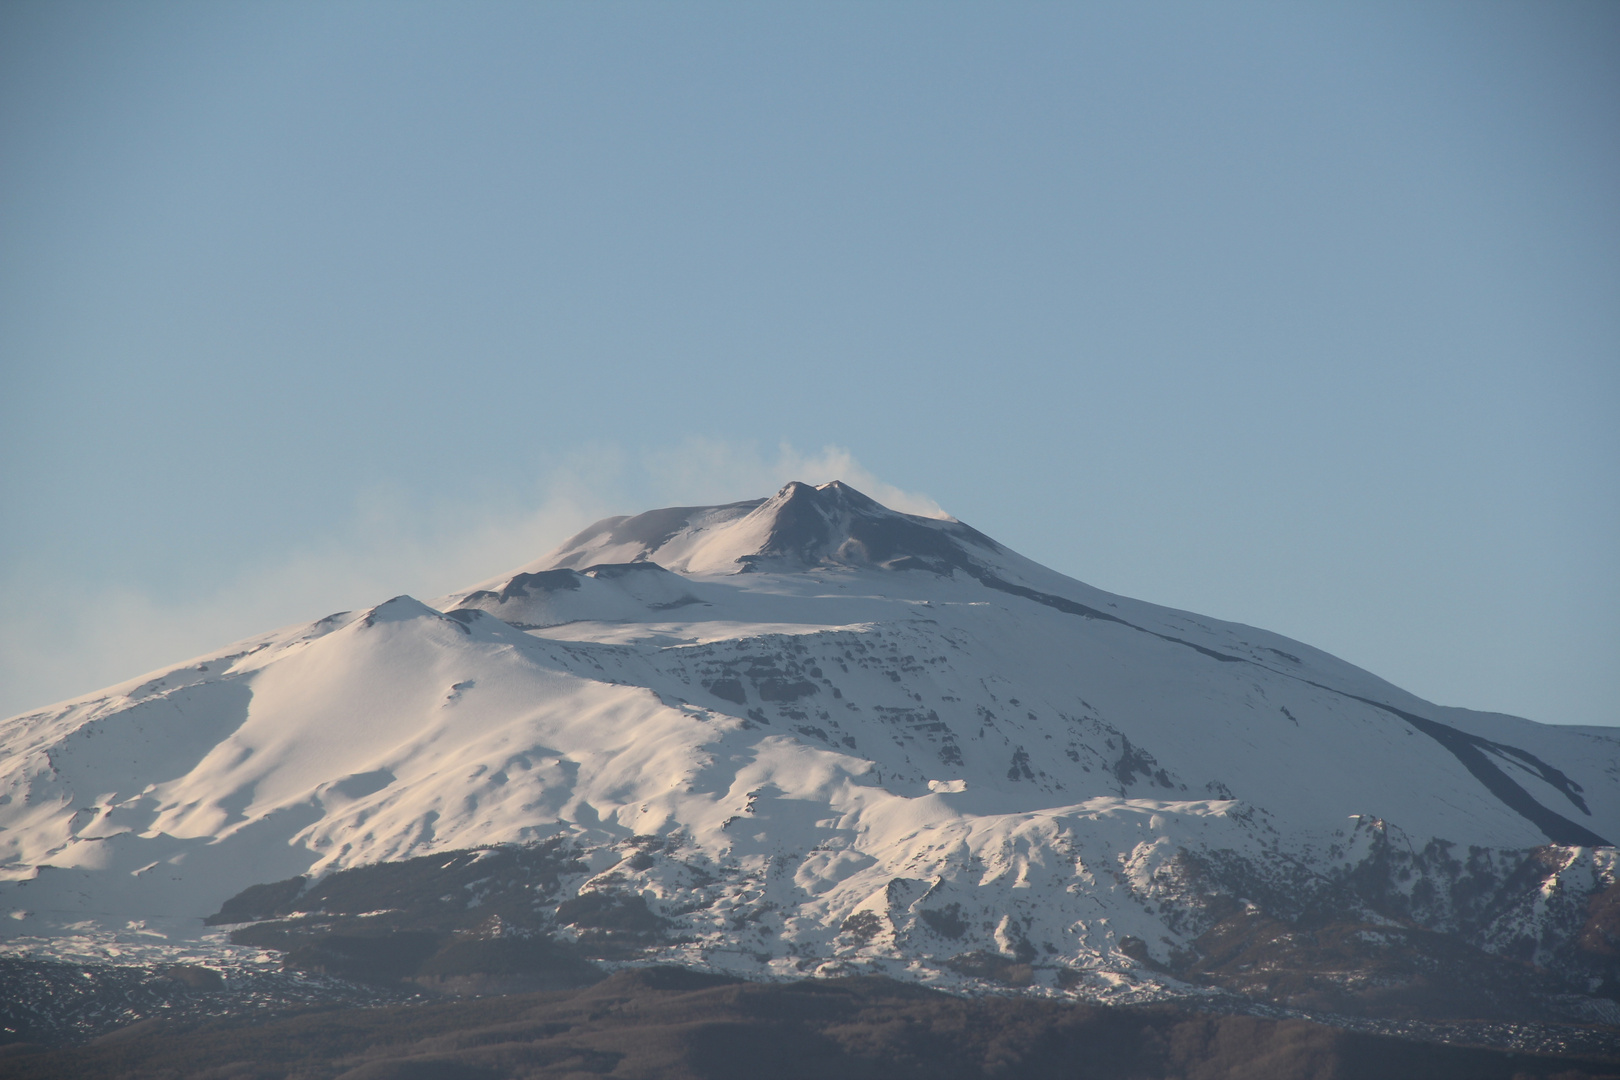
{"type": "Point", "coordinates": [846, 738]}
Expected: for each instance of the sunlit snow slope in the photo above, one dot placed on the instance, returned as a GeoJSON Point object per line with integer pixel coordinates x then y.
{"type": "Point", "coordinates": [858, 735]}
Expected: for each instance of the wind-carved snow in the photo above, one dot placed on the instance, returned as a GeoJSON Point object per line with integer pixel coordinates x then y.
{"type": "Point", "coordinates": [835, 736]}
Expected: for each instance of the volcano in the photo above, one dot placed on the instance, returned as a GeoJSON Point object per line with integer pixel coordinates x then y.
{"type": "Point", "coordinates": [808, 735]}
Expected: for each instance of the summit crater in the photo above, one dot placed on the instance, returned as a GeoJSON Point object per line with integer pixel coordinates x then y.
{"type": "Point", "coordinates": [800, 527]}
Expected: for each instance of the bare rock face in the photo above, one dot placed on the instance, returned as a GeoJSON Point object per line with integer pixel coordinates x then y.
{"type": "Point", "coordinates": [808, 735]}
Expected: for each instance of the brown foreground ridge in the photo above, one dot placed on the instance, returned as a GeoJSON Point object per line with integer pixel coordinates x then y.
{"type": "Point", "coordinates": [679, 1024]}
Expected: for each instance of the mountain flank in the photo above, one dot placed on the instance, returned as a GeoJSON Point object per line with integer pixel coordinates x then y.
{"type": "Point", "coordinates": [809, 737]}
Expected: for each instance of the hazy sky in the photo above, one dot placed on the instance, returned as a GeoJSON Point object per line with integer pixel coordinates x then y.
{"type": "Point", "coordinates": [1306, 316]}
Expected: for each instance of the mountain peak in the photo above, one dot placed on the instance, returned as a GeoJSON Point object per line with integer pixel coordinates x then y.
{"type": "Point", "coordinates": [799, 527]}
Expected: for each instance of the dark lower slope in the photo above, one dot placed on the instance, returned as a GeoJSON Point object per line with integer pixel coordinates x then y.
{"type": "Point", "coordinates": [663, 1022]}
{"type": "Point", "coordinates": [497, 920]}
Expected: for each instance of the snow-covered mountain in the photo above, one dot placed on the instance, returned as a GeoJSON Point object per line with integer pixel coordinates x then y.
{"type": "Point", "coordinates": [810, 734]}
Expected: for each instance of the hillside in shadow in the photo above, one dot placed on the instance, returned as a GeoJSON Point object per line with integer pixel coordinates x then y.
{"type": "Point", "coordinates": [666, 1022]}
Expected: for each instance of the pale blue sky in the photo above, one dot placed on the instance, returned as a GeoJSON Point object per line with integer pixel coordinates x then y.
{"type": "Point", "coordinates": [1306, 316]}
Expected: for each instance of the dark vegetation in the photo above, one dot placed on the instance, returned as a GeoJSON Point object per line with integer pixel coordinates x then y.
{"type": "Point", "coordinates": [1361, 969]}
{"type": "Point", "coordinates": [665, 1022]}
{"type": "Point", "coordinates": [1374, 944]}
{"type": "Point", "coordinates": [454, 890]}
{"type": "Point", "coordinates": [485, 964]}
{"type": "Point", "coordinates": [478, 921]}
{"type": "Point", "coordinates": [499, 920]}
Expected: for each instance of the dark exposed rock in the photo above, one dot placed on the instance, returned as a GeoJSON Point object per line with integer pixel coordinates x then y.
{"type": "Point", "coordinates": [993, 967]}
{"type": "Point", "coordinates": [946, 922]}
{"type": "Point", "coordinates": [258, 902]}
